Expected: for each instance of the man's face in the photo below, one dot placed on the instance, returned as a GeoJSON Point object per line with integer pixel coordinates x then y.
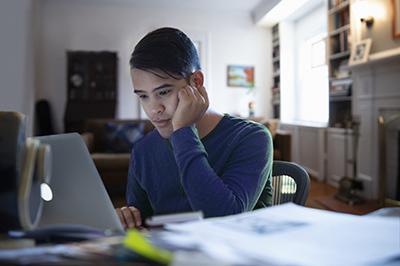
{"type": "Point", "coordinates": [158, 97]}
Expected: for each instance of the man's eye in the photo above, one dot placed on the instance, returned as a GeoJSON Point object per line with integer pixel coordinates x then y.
{"type": "Point", "coordinates": [142, 97]}
{"type": "Point", "coordinates": [162, 93]}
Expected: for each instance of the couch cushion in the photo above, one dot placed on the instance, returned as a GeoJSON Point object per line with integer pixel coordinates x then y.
{"type": "Point", "coordinates": [98, 129]}
{"type": "Point", "coordinates": [121, 137]}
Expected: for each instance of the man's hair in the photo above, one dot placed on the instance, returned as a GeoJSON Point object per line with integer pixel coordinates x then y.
{"type": "Point", "coordinates": [168, 50]}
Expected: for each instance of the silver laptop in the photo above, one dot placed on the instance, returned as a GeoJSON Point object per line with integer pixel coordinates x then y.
{"type": "Point", "coordinates": [79, 196]}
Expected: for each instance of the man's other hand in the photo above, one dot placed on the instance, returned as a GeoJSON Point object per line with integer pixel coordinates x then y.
{"type": "Point", "coordinates": [129, 216]}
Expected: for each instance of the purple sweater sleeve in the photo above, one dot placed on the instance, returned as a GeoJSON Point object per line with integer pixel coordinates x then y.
{"type": "Point", "coordinates": [240, 184]}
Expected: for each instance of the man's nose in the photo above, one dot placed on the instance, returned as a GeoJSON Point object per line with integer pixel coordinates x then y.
{"type": "Point", "coordinates": [157, 107]}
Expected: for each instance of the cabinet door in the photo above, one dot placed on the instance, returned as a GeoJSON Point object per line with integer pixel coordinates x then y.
{"type": "Point", "coordinates": [339, 155]}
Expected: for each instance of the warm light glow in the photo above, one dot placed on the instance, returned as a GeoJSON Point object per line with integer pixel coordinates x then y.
{"type": "Point", "coordinates": [281, 11]}
{"type": "Point", "coordinates": [365, 9]}
{"type": "Point", "coordinates": [45, 192]}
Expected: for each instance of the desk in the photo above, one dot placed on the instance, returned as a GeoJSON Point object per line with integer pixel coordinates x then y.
{"type": "Point", "coordinates": [278, 234]}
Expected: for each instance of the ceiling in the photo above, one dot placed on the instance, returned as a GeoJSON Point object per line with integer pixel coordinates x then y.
{"type": "Point", "coordinates": [227, 5]}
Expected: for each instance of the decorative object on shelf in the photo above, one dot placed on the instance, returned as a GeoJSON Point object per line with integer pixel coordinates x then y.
{"type": "Point", "coordinates": [251, 107]}
{"type": "Point", "coordinates": [340, 87]}
{"type": "Point", "coordinates": [240, 76]}
{"type": "Point", "coordinates": [360, 52]}
{"type": "Point", "coordinates": [396, 18]}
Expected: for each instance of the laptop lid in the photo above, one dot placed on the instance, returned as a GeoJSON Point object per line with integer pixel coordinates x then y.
{"type": "Point", "coordinates": [79, 196]}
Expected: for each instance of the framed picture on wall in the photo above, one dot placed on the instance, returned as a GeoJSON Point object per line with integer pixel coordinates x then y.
{"type": "Point", "coordinates": [396, 18]}
{"type": "Point", "coordinates": [240, 76]}
{"type": "Point", "coordinates": [360, 52]}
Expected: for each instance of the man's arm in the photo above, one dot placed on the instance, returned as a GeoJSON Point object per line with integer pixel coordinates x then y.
{"type": "Point", "coordinates": [241, 183]}
{"type": "Point", "coordinates": [139, 206]}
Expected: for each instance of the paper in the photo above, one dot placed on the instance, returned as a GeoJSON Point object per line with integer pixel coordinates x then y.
{"type": "Point", "coordinates": [295, 235]}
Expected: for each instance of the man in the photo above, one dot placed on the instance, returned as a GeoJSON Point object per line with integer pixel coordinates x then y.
{"type": "Point", "coordinates": [195, 159]}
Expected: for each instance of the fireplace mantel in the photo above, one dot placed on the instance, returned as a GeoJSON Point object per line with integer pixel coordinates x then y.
{"type": "Point", "coordinates": [376, 86]}
{"type": "Point", "coordinates": [392, 55]}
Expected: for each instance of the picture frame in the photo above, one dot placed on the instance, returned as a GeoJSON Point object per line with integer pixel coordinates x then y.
{"type": "Point", "coordinates": [360, 52]}
{"type": "Point", "coordinates": [396, 19]}
{"type": "Point", "coordinates": [240, 76]}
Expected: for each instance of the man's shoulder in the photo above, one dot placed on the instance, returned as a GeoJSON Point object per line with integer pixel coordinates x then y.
{"type": "Point", "coordinates": [244, 126]}
{"type": "Point", "coordinates": [233, 131]}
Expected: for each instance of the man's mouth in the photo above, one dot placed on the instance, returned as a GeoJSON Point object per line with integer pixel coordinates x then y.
{"type": "Point", "coordinates": [161, 123]}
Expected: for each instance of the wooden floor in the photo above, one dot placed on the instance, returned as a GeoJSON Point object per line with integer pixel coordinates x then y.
{"type": "Point", "coordinates": [322, 196]}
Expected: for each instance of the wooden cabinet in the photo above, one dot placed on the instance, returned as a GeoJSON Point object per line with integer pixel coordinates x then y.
{"type": "Point", "coordinates": [91, 87]}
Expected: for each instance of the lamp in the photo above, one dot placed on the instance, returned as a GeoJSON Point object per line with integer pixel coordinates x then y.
{"type": "Point", "coordinates": [364, 12]}
{"type": "Point", "coordinates": [368, 21]}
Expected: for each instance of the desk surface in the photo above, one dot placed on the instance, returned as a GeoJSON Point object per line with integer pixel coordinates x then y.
{"type": "Point", "coordinates": [107, 251]}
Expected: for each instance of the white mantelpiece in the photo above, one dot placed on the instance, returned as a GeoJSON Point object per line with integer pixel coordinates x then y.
{"type": "Point", "coordinates": [376, 87]}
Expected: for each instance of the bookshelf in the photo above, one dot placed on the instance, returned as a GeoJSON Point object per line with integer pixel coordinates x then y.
{"type": "Point", "coordinates": [276, 72]}
{"type": "Point", "coordinates": [340, 81]}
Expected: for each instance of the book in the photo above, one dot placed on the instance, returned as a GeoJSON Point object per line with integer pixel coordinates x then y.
{"type": "Point", "coordinates": [161, 220]}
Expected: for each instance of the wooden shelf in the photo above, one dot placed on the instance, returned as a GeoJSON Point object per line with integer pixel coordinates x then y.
{"type": "Point", "coordinates": [340, 79]}
{"type": "Point", "coordinates": [339, 45]}
{"type": "Point", "coordinates": [333, 98]}
{"type": "Point", "coordinates": [339, 7]}
{"type": "Point", "coordinates": [339, 55]}
{"type": "Point", "coordinates": [339, 30]}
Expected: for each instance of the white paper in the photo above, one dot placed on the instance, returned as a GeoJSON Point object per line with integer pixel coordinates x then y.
{"type": "Point", "coordinates": [291, 234]}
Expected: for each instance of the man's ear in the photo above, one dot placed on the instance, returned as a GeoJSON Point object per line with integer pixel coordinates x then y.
{"type": "Point", "coordinates": [197, 79]}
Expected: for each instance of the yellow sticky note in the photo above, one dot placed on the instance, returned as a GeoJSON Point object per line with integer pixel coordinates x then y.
{"type": "Point", "coordinates": [135, 241]}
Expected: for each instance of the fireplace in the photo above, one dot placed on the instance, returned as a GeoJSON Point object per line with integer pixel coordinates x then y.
{"type": "Point", "coordinates": [389, 155]}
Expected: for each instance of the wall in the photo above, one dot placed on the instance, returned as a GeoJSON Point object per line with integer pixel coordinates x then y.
{"type": "Point", "coordinates": [381, 31]}
{"type": "Point", "coordinates": [231, 38]}
{"type": "Point", "coordinates": [16, 53]}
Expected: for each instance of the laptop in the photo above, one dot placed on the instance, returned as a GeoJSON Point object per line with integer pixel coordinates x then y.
{"type": "Point", "coordinates": [79, 196]}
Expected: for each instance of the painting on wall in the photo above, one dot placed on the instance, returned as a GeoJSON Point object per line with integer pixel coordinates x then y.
{"type": "Point", "coordinates": [240, 76]}
{"type": "Point", "coordinates": [396, 18]}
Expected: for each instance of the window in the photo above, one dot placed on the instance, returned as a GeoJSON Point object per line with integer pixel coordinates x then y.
{"type": "Point", "coordinates": [304, 76]}
{"type": "Point", "coordinates": [312, 89]}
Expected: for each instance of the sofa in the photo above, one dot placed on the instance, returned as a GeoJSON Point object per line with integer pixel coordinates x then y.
{"type": "Point", "coordinates": [113, 165]}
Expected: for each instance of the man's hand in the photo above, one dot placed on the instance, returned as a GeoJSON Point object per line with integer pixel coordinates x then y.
{"type": "Point", "coordinates": [193, 103]}
{"type": "Point", "coordinates": [130, 217]}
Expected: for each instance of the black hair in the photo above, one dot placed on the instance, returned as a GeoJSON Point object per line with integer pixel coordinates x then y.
{"type": "Point", "coordinates": [168, 50]}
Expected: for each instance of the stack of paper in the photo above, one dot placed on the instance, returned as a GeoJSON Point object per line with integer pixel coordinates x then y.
{"type": "Point", "coordinates": [295, 235]}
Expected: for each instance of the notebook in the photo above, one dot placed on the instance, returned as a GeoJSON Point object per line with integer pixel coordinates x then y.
{"type": "Point", "coordinates": [79, 196]}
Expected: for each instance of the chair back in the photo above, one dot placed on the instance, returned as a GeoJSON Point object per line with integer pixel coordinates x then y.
{"type": "Point", "coordinates": [290, 182]}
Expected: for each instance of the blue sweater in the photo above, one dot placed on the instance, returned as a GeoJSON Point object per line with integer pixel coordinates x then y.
{"type": "Point", "coordinates": [223, 173]}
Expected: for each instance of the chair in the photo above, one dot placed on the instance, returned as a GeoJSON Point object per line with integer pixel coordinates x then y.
{"type": "Point", "coordinates": [290, 183]}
